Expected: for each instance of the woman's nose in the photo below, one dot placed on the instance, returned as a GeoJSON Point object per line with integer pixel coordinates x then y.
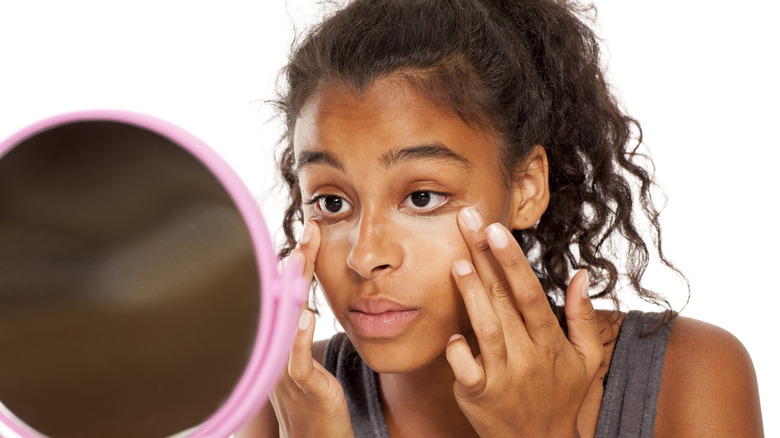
{"type": "Point", "coordinates": [376, 248]}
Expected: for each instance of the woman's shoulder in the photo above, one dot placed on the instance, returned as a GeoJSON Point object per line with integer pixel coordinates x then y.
{"type": "Point", "coordinates": [708, 385]}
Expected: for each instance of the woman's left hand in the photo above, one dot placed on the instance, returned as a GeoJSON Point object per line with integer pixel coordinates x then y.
{"type": "Point", "coordinates": [528, 378]}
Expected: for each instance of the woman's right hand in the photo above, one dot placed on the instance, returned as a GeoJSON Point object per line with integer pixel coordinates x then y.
{"type": "Point", "coordinates": [308, 401]}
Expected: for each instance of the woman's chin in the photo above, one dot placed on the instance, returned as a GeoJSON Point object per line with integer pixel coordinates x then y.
{"type": "Point", "coordinates": [395, 356]}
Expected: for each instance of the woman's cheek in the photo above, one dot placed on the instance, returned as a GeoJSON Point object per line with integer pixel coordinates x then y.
{"type": "Point", "coordinates": [442, 246]}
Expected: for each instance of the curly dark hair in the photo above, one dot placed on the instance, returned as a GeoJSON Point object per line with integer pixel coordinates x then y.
{"type": "Point", "coordinates": [527, 70]}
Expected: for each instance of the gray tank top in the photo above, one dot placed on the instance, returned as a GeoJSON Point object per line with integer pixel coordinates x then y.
{"type": "Point", "coordinates": [627, 408]}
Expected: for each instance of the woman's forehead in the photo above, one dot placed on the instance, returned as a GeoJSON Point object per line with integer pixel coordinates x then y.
{"type": "Point", "coordinates": [388, 116]}
{"type": "Point", "coordinates": [384, 101]}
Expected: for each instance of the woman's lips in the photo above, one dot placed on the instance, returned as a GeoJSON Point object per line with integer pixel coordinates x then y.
{"type": "Point", "coordinates": [380, 318]}
{"type": "Point", "coordinates": [381, 325]}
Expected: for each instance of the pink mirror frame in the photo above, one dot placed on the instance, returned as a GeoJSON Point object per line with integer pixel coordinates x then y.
{"type": "Point", "coordinates": [281, 298]}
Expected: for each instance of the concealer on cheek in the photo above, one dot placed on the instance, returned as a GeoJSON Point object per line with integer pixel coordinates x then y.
{"type": "Point", "coordinates": [434, 238]}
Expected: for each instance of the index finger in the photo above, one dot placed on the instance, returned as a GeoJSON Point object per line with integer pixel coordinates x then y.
{"type": "Point", "coordinates": [502, 264]}
{"type": "Point", "coordinates": [489, 270]}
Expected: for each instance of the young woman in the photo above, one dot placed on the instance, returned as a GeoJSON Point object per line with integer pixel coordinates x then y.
{"type": "Point", "coordinates": [453, 163]}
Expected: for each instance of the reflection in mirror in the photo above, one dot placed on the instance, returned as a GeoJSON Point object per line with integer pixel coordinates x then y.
{"type": "Point", "coordinates": [128, 284]}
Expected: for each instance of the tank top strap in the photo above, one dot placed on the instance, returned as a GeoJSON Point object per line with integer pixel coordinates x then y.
{"type": "Point", "coordinates": [632, 384]}
{"type": "Point", "coordinates": [360, 387]}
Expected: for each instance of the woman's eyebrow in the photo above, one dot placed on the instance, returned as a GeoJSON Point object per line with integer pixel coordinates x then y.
{"type": "Point", "coordinates": [429, 151]}
{"type": "Point", "coordinates": [310, 158]}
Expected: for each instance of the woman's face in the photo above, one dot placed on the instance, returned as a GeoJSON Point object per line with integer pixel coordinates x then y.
{"type": "Point", "coordinates": [384, 174]}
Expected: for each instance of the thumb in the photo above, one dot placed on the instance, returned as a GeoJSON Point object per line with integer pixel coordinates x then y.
{"type": "Point", "coordinates": [582, 322]}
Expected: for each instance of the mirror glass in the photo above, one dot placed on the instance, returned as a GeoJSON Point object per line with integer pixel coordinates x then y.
{"type": "Point", "coordinates": [129, 287]}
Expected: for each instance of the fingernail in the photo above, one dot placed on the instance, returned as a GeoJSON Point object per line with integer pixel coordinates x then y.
{"type": "Point", "coordinates": [454, 337]}
{"type": "Point", "coordinates": [462, 267]}
{"type": "Point", "coordinates": [471, 218]}
{"type": "Point", "coordinates": [585, 286]}
{"type": "Point", "coordinates": [305, 321]}
{"type": "Point", "coordinates": [306, 233]}
{"type": "Point", "coordinates": [497, 235]}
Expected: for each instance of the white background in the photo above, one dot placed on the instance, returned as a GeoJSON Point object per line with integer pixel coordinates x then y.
{"type": "Point", "coordinates": [701, 76]}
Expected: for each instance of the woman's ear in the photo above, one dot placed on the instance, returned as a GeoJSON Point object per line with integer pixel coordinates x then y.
{"type": "Point", "coordinates": [530, 190]}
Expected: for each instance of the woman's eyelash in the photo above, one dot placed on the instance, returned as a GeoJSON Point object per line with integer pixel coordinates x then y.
{"type": "Point", "coordinates": [427, 213]}
{"type": "Point", "coordinates": [420, 211]}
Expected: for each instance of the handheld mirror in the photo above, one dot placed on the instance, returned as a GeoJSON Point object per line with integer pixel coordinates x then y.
{"type": "Point", "coordinates": [132, 261]}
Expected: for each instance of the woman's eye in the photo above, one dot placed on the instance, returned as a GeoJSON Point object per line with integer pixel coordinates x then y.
{"type": "Point", "coordinates": [332, 205]}
{"type": "Point", "coordinates": [425, 200]}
